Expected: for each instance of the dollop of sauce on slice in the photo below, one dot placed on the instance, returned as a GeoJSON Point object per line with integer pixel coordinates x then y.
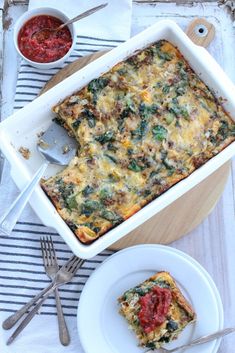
{"type": "Point", "coordinates": [154, 308]}
{"type": "Point", "coordinates": [44, 50]}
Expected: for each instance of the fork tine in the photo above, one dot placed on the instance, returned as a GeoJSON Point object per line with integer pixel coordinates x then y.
{"type": "Point", "coordinates": [76, 266]}
{"type": "Point", "coordinates": [70, 261]}
{"type": "Point", "coordinates": [53, 251]}
{"type": "Point", "coordinates": [43, 251]}
{"type": "Point", "coordinates": [49, 251]}
{"type": "Point", "coordinates": [46, 251]}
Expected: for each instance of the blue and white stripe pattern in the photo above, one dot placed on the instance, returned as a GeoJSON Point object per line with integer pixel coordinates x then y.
{"type": "Point", "coordinates": [22, 274]}
{"type": "Point", "coordinates": [21, 269]}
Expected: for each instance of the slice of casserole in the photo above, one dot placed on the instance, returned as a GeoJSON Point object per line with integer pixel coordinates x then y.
{"type": "Point", "coordinates": [143, 126]}
{"type": "Point", "coordinates": [156, 310]}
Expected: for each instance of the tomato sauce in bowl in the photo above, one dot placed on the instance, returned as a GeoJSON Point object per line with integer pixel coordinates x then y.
{"type": "Point", "coordinates": [48, 49]}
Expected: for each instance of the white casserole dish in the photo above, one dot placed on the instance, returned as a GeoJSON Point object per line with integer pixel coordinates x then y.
{"type": "Point", "coordinates": [21, 129]}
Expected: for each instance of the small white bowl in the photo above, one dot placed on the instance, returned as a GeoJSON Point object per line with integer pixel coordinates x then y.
{"type": "Point", "coordinates": [44, 11]}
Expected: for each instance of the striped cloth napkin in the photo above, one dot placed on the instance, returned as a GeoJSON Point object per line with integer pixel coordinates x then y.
{"type": "Point", "coordinates": [21, 270]}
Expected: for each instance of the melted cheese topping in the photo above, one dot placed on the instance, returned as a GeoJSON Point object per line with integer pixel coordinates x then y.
{"type": "Point", "coordinates": [142, 127]}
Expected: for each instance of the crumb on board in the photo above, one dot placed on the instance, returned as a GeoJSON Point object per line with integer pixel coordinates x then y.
{"type": "Point", "coordinates": [44, 145]}
{"type": "Point", "coordinates": [25, 152]}
{"type": "Point", "coordinates": [40, 133]}
{"type": "Point", "coordinates": [66, 149]}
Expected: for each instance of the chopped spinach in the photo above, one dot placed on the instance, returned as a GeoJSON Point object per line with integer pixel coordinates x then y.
{"type": "Point", "coordinates": [146, 192]}
{"type": "Point", "coordinates": [139, 164]}
{"type": "Point", "coordinates": [110, 216]}
{"type": "Point", "coordinates": [232, 130]}
{"type": "Point", "coordinates": [96, 85]}
{"type": "Point", "coordinates": [153, 174]}
{"type": "Point", "coordinates": [105, 194]}
{"type": "Point", "coordinates": [125, 113]}
{"type": "Point", "coordinates": [129, 103]}
{"type": "Point", "coordinates": [112, 178]}
{"type": "Point", "coordinates": [165, 339]}
{"type": "Point", "coordinates": [130, 108]}
{"type": "Point", "coordinates": [166, 89]}
{"type": "Point", "coordinates": [140, 131]}
{"type": "Point", "coordinates": [133, 61]}
{"type": "Point", "coordinates": [72, 203]}
{"type": "Point", "coordinates": [96, 229]}
{"type": "Point", "coordinates": [58, 120]}
{"type": "Point", "coordinates": [111, 158]}
{"type": "Point", "coordinates": [140, 291]}
{"type": "Point", "coordinates": [106, 137]}
{"type": "Point", "coordinates": [170, 168]}
{"type": "Point", "coordinates": [65, 190]}
{"type": "Point", "coordinates": [89, 206]}
{"type": "Point", "coordinates": [111, 147]}
{"type": "Point", "coordinates": [179, 111]}
{"type": "Point", "coordinates": [163, 55]}
{"type": "Point", "coordinates": [92, 227]}
{"type": "Point", "coordinates": [76, 123]}
{"type": "Point", "coordinates": [181, 89]}
{"type": "Point", "coordinates": [156, 50]}
{"type": "Point", "coordinates": [122, 71]}
{"type": "Point", "coordinates": [161, 283]}
{"type": "Point", "coordinates": [223, 131]}
{"type": "Point", "coordinates": [87, 190]}
{"type": "Point", "coordinates": [136, 322]}
{"type": "Point", "coordinates": [150, 345]}
{"type": "Point", "coordinates": [182, 71]}
{"type": "Point", "coordinates": [170, 171]}
{"type": "Point", "coordinates": [158, 85]}
{"type": "Point", "coordinates": [146, 111]}
{"type": "Point", "coordinates": [90, 117]}
{"type": "Point", "coordinates": [177, 123]}
{"type": "Point", "coordinates": [134, 166]}
{"type": "Point", "coordinates": [159, 132]}
{"type": "Point", "coordinates": [130, 151]}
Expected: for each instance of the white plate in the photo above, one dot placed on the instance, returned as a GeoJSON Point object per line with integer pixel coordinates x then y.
{"type": "Point", "coordinates": [100, 325]}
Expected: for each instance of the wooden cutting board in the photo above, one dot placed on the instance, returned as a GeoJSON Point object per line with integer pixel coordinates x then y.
{"type": "Point", "coordinates": [189, 210]}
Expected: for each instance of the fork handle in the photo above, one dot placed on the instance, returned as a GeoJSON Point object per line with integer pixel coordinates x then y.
{"type": "Point", "coordinates": [9, 219]}
{"type": "Point", "coordinates": [14, 318]}
{"type": "Point", "coordinates": [63, 329]}
{"type": "Point", "coordinates": [29, 317]}
{"type": "Point", "coordinates": [200, 340]}
{"type": "Point", "coordinates": [205, 339]}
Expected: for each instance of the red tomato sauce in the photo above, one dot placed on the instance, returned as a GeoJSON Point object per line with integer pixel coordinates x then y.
{"type": "Point", "coordinates": [44, 50]}
{"type": "Point", "coordinates": [154, 308]}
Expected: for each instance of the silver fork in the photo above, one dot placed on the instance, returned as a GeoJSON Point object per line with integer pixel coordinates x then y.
{"type": "Point", "coordinates": [196, 342]}
{"type": "Point", "coordinates": [64, 275]}
{"type": "Point", "coordinates": [51, 268]}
